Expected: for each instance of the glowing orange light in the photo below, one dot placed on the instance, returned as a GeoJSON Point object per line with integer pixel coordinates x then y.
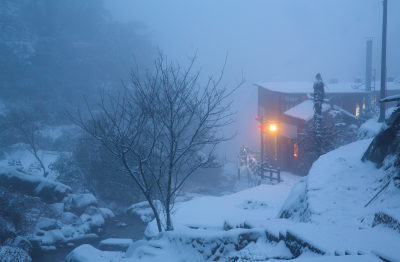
{"type": "Point", "coordinates": [273, 127]}
{"type": "Point", "coordinates": [295, 151]}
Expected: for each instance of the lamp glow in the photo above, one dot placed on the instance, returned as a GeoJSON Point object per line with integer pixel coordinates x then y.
{"type": "Point", "coordinates": [273, 127]}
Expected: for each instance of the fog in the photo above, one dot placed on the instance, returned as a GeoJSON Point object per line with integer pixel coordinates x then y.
{"type": "Point", "coordinates": [109, 134]}
{"type": "Point", "coordinates": [268, 41]}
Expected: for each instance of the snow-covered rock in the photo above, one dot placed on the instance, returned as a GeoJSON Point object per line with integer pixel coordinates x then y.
{"type": "Point", "coordinates": [45, 223]}
{"type": "Point", "coordinates": [79, 202]}
{"type": "Point", "coordinates": [143, 210]}
{"type": "Point", "coordinates": [87, 253]}
{"type": "Point", "coordinates": [52, 237]}
{"type": "Point", "coordinates": [49, 191]}
{"type": "Point", "coordinates": [115, 244]}
{"type": "Point", "coordinates": [106, 213]}
{"type": "Point", "coordinates": [68, 218]}
{"type": "Point", "coordinates": [93, 216]}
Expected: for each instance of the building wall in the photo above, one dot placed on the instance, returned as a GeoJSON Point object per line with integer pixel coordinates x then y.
{"type": "Point", "coordinates": [272, 105]}
{"type": "Point", "coordinates": [278, 150]}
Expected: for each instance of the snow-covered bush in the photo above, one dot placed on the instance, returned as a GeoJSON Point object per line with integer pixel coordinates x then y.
{"type": "Point", "coordinates": [13, 254]}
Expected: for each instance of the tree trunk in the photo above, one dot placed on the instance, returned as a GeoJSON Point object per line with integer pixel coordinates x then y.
{"type": "Point", "coordinates": [170, 227]}
{"type": "Point", "coordinates": [155, 212]}
{"type": "Point", "coordinates": [45, 173]}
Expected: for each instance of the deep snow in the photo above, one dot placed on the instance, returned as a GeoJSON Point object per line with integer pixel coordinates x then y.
{"type": "Point", "coordinates": [321, 217]}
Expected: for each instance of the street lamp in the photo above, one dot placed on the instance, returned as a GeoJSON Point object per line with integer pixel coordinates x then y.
{"type": "Point", "coordinates": [267, 127]}
{"type": "Point", "coordinates": [273, 128]}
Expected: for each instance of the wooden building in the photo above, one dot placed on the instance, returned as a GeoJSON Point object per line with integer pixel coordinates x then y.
{"type": "Point", "coordinates": [284, 108]}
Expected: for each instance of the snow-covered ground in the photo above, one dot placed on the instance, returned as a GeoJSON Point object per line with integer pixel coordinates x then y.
{"type": "Point", "coordinates": [253, 206]}
{"type": "Point", "coordinates": [321, 217]}
{"type": "Point", "coordinates": [20, 158]}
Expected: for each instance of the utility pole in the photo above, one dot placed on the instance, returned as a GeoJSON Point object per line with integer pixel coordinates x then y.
{"type": "Point", "coordinates": [368, 77]}
{"type": "Point", "coordinates": [383, 63]}
{"type": "Point", "coordinates": [262, 150]}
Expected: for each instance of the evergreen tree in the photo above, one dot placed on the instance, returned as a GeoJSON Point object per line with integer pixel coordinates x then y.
{"type": "Point", "coordinates": [326, 132]}
{"type": "Point", "coordinates": [319, 95]}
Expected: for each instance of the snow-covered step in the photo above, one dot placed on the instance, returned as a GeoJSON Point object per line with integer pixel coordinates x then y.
{"type": "Point", "coordinates": [115, 244]}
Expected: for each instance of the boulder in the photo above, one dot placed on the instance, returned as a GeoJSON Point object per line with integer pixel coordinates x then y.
{"type": "Point", "coordinates": [46, 224]}
{"type": "Point", "coordinates": [68, 218]}
{"type": "Point", "coordinates": [115, 244]}
{"type": "Point", "coordinates": [87, 253]}
{"type": "Point", "coordinates": [77, 203]}
{"type": "Point", "coordinates": [386, 142]}
{"type": "Point", "coordinates": [49, 191]}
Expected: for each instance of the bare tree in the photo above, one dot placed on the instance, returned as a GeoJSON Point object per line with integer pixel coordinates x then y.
{"type": "Point", "coordinates": [163, 127]}
{"type": "Point", "coordinates": [27, 127]}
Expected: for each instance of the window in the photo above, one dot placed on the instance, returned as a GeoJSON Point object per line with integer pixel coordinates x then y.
{"type": "Point", "coordinates": [357, 110]}
{"type": "Point", "coordinates": [295, 151]}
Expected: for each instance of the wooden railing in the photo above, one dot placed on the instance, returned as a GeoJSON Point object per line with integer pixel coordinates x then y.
{"type": "Point", "coordinates": [254, 169]}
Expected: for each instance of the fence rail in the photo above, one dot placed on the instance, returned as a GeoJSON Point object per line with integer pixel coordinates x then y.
{"type": "Point", "coordinates": [249, 161]}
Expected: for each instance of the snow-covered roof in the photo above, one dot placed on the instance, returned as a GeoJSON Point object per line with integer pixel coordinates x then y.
{"type": "Point", "coordinates": [391, 98]}
{"type": "Point", "coordinates": [305, 110]}
{"type": "Point", "coordinates": [307, 87]}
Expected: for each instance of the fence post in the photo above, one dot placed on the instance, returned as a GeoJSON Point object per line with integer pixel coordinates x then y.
{"type": "Point", "coordinates": [270, 173]}
{"type": "Point", "coordinates": [279, 174]}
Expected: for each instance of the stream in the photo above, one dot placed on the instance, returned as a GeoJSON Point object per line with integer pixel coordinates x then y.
{"type": "Point", "coordinates": [134, 230]}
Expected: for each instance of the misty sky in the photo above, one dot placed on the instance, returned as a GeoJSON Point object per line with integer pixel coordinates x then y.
{"type": "Point", "coordinates": [269, 40]}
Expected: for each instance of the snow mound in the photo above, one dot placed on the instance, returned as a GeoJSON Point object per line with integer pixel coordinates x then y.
{"type": "Point", "coordinates": [115, 244]}
{"type": "Point", "coordinates": [333, 198]}
{"type": "Point", "coordinates": [338, 187]}
{"type": "Point", "coordinates": [296, 205]}
{"type": "Point", "coordinates": [251, 206]}
{"type": "Point", "coordinates": [370, 128]}
{"type": "Point", "coordinates": [143, 210]}
{"type": "Point", "coordinates": [49, 191]}
{"type": "Point", "coordinates": [87, 253]}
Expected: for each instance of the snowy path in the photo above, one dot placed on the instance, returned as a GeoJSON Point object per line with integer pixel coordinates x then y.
{"type": "Point", "coordinates": [253, 206]}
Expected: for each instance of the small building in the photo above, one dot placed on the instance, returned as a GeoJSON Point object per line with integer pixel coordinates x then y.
{"type": "Point", "coordinates": [284, 108]}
